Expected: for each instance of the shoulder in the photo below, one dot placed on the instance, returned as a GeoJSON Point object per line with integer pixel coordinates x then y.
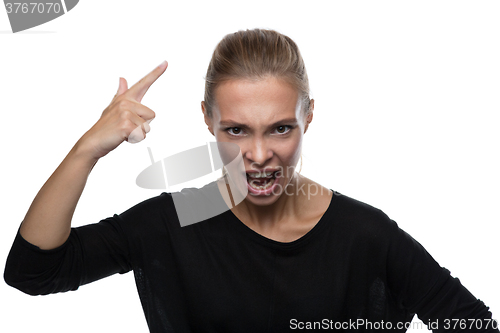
{"type": "Point", "coordinates": [154, 206]}
{"type": "Point", "coordinates": [179, 209]}
{"type": "Point", "coordinates": [357, 211]}
{"type": "Point", "coordinates": [148, 217]}
{"type": "Point", "coordinates": [362, 221]}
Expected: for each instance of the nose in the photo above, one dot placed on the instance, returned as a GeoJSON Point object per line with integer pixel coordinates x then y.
{"type": "Point", "coordinates": [259, 152]}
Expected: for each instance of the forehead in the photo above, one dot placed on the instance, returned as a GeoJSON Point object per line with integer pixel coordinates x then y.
{"type": "Point", "coordinates": [249, 100]}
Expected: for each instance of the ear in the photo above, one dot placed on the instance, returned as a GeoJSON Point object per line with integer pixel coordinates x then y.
{"type": "Point", "coordinates": [309, 116]}
{"type": "Point", "coordinates": [208, 120]}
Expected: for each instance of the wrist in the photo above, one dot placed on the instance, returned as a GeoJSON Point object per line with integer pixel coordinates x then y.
{"type": "Point", "coordinates": [85, 153]}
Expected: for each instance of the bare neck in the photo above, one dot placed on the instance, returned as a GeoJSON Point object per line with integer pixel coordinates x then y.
{"type": "Point", "coordinates": [285, 211]}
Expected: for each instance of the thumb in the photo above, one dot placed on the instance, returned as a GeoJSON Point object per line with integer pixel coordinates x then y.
{"type": "Point", "coordinates": [122, 87]}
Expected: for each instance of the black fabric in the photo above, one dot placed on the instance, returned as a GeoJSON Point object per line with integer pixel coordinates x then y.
{"type": "Point", "coordinates": [356, 266]}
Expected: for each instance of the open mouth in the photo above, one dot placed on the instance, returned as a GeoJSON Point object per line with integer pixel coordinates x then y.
{"type": "Point", "coordinates": [262, 183]}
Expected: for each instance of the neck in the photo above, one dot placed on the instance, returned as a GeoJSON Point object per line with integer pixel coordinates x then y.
{"type": "Point", "coordinates": [275, 215]}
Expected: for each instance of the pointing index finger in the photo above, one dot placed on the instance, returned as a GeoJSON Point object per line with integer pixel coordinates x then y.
{"type": "Point", "coordinates": [138, 90]}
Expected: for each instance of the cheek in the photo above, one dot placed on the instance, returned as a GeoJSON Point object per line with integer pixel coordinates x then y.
{"type": "Point", "coordinates": [289, 158]}
{"type": "Point", "coordinates": [290, 153]}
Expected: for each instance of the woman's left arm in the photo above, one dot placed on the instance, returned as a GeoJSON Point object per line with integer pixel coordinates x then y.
{"type": "Point", "coordinates": [422, 286]}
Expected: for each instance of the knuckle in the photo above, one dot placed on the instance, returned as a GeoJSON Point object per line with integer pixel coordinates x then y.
{"type": "Point", "coordinates": [125, 114]}
{"type": "Point", "coordinates": [124, 104]}
{"type": "Point", "coordinates": [128, 125]}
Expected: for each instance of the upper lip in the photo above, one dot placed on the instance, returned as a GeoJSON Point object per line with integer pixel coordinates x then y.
{"type": "Point", "coordinates": [261, 172]}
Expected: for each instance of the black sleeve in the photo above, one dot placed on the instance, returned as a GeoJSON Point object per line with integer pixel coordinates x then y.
{"type": "Point", "coordinates": [91, 252]}
{"type": "Point", "coordinates": [422, 286]}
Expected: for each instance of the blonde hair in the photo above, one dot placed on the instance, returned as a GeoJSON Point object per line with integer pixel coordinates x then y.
{"type": "Point", "coordinates": [254, 55]}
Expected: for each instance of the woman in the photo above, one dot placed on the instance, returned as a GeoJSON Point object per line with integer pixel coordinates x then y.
{"type": "Point", "coordinates": [293, 255]}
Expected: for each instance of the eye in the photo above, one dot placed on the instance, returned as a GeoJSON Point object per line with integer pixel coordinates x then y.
{"type": "Point", "coordinates": [235, 133]}
{"type": "Point", "coordinates": [281, 131]}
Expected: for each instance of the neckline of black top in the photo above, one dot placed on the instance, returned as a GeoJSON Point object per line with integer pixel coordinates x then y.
{"type": "Point", "coordinates": [304, 239]}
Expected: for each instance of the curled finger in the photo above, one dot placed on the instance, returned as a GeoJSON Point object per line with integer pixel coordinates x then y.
{"type": "Point", "coordinates": [147, 128]}
{"type": "Point", "coordinates": [137, 135]}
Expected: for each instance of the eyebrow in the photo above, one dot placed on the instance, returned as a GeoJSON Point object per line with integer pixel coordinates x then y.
{"type": "Point", "coordinates": [233, 123]}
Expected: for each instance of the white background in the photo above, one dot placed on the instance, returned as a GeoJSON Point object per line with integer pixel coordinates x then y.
{"type": "Point", "coordinates": [406, 119]}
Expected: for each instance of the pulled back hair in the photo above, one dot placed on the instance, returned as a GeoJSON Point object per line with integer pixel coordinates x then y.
{"type": "Point", "coordinates": [254, 55]}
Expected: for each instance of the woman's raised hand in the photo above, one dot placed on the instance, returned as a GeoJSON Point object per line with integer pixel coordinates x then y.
{"type": "Point", "coordinates": [125, 119]}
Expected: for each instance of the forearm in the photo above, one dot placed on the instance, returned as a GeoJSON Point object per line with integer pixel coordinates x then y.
{"type": "Point", "coordinates": [47, 223]}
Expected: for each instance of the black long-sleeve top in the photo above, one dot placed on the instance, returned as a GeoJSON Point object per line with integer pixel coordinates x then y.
{"type": "Point", "coordinates": [355, 270]}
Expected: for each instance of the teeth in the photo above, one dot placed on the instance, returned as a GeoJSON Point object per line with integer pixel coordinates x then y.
{"type": "Point", "coordinates": [260, 175]}
{"type": "Point", "coordinates": [262, 187]}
